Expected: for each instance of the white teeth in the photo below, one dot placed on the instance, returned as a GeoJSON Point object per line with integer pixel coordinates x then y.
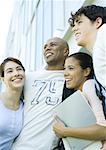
{"type": "Point", "coordinates": [17, 79]}
{"type": "Point", "coordinates": [67, 79]}
{"type": "Point", "coordinates": [48, 54]}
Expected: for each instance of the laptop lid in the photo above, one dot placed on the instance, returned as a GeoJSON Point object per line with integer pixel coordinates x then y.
{"type": "Point", "coordinates": [75, 111]}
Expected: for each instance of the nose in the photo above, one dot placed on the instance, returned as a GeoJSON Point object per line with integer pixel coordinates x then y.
{"type": "Point", "coordinates": [47, 47]}
{"type": "Point", "coordinates": [16, 73]}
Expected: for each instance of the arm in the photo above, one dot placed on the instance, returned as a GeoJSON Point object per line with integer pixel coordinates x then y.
{"type": "Point", "coordinates": [93, 132]}
{"type": "Point", "coordinates": [95, 103]}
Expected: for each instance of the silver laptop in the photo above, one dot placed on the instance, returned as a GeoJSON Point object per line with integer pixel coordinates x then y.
{"type": "Point", "coordinates": [75, 111]}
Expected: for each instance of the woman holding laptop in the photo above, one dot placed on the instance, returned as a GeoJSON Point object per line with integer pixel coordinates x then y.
{"type": "Point", "coordinates": [79, 76]}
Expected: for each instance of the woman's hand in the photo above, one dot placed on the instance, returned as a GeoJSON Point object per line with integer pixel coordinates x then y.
{"type": "Point", "coordinates": [59, 128]}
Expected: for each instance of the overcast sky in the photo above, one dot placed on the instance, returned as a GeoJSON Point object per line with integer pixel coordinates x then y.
{"type": "Point", "coordinates": [6, 9]}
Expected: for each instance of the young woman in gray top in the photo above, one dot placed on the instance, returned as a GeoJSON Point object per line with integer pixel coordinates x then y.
{"type": "Point", "coordinates": [11, 106]}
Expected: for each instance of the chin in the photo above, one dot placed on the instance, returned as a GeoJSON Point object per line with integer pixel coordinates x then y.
{"type": "Point", "coordinates": [68, 86]}
{"type": "Point", "coordinates": [79, 43]}
{"type": "Point", "coordinates": [18, 87]}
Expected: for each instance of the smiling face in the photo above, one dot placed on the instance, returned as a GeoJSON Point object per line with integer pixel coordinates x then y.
{"type": "Point", "coordinates": [55, 52]}
{"type": "Point", "coordinates": [85, 31]}
{"type": "Point", "coordinates": [14, 75]}
{"type": "Point", "coordinates": [74, 75]}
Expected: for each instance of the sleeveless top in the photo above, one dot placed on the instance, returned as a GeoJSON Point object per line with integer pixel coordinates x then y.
{"type": "Point", "coordinates": [10, 125]}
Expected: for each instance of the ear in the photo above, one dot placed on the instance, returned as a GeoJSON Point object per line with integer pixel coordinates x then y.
{"type": "Point", "coordinates": [98, 22]}
{"type": "Point", "coordinates": [66, 52]}
{"type": "Point", "coordinates": [87, 72]}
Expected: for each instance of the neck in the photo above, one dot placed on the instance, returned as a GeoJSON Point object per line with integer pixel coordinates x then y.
{"type": "Point", "coordinates": [90, 49]}
{"type": "Point", "coordinates": [11, 99]}
{"type": "Point", "coordinates": [90, 44]}
{"type": "Point", "coordinates": [13, 94]}
{"type": "Point", "coordinates": [57, 67]}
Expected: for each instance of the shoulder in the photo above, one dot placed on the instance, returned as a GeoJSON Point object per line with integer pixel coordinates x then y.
{"type": "Point", "coordinates": [102, 28]}
{"type": "Point", "coordinates": [89, 90]}
{"type": "Point", "coordinates": [33, 74]}
{"type": "Point", "coordinates": [101, 33]}
{"type": "Point", "coordinates": [88, 85]}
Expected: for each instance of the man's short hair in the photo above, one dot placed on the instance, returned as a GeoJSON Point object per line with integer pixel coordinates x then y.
{"type": "Point", "coordinates": [90, 11]}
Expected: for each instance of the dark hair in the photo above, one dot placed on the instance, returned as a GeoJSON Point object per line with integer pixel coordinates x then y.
{"type": "Point", "coordinates": [90, 11]}
{"type": "Point", "coordinates": [7, 60]}
{"type": "Point", "coordinates": [85, 61]}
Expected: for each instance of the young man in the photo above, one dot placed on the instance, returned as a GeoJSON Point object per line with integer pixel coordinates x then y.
{"type": "Point", "coordinates": [43, 92]}
{"type": "Point", "coordinates": [88, 25]}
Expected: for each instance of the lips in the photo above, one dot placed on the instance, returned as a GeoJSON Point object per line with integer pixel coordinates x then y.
{"type": "Point", "coordinates": [68, 80]}
{"type": "Point", "coordinates": [47, 54]}
{"type": "Point", "coordinates": [17, 79]}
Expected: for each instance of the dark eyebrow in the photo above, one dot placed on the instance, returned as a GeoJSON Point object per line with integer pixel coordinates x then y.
{"type": "Point", "coordinates": [50, 44]}
{"type": "Point", "coordinates": [18, 67]}
{"type": "Point", "coordinates": [12, 68]}
{"type": "Point", "coordinates": [53, 43]}
{"type": "Point", "coordinates": [8, 69]}
{"type": "Point", "coordinates": [70, 65]}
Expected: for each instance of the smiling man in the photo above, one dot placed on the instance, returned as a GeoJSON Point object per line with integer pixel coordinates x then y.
{"type": "Point", "coordinates": [89, 27]}
{"type": "Point", "coordinates": [55, 52]}
{"type": "Point", "coordinates": [43, 92]}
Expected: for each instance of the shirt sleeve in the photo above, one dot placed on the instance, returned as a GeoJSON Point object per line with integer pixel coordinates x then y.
{"type": "Point", "coordinates": [95, 103]}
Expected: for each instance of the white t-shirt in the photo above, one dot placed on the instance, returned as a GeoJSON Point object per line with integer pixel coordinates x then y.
{"type": "Point", "coordinates": [43, 92]}
{"type": "Point", "coordinates": [99, 56]}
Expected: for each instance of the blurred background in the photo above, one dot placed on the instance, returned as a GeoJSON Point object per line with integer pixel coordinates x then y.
{"type": "Point", "coordinates": [6, 8]}
{"type": "Point", "coordinates": [33, 22]}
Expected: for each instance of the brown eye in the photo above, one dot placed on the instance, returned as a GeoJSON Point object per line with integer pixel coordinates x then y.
{"type": "Point", "coordinates": [19, 69]}
{"type": "Point", "coordinates": [70, 68]}
{"type": "Point", "coordinates": [9, 71]}
{"type": "Point", "coordinates": [79, 22]}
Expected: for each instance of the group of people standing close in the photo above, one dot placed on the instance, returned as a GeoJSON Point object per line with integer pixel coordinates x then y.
{"type": "Point", "coordinates": [29, 124]}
